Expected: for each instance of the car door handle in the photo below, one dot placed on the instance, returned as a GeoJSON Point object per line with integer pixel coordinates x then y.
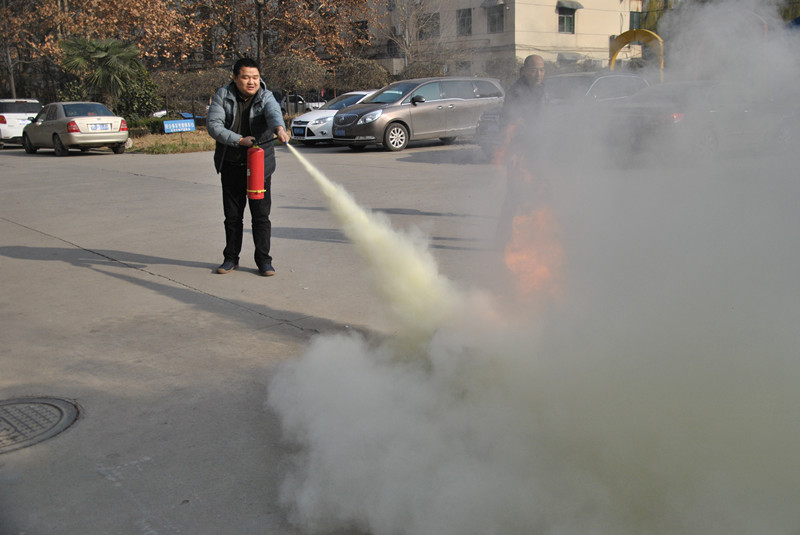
{"type": "Point", "coordinates": [439, 107]}
{"type": "Point", "coordinates": [451, 106]}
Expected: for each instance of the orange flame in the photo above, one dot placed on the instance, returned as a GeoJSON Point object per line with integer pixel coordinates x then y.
{"type": "Point", "coordinates": [535, 254]}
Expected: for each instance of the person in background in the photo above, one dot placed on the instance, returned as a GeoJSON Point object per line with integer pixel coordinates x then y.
{"type": "Point", "coordinates": [242, 114]}
{"type": "Point", "coordinates": [524, 136]}
{"type": "Point", "coordinates": [526, 97]}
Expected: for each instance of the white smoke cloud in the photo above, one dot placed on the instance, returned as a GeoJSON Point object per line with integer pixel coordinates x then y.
{"type": "Point", "coordinates": [657, 396]}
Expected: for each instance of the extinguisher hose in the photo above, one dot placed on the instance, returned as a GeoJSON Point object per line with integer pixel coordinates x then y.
{"type": "Point", "coordinates": [255, 145]}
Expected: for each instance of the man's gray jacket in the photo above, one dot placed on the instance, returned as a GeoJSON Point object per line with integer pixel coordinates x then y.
{"type": "Point", "coordinates": [265, 118]}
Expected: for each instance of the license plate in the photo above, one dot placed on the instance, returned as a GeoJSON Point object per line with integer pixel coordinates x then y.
{"type": "Point", "coordinates": [23, 122]}
{"type": "Point", "coordinates": [298, 131]}
{"type": "Point", "coordinates": [95, 127]}
{"type": "Point", "coordinates": [338, 132]}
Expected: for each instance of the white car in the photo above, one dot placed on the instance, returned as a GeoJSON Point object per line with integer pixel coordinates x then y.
{"type": "Point", "coordinates": [14, 115]}
{"type": "Point", "coordinates": [316, 125]}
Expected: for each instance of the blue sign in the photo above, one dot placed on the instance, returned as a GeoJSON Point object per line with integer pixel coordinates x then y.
{"type": "Point", "coordinates": [183, 125]}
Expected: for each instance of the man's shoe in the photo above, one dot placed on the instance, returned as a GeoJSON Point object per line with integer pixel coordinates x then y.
{"type": "Point", "coordinates": [226, 267]}
{"type": "Point", "coordinates": [266, 270]}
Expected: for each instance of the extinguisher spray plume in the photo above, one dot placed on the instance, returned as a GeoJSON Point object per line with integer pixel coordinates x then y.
{"type": "Point", "coordinates": [404, 270]}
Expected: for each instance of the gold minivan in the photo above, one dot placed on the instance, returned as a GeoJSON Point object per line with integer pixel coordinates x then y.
{"type": "Point", "coordinates": [423, 108]}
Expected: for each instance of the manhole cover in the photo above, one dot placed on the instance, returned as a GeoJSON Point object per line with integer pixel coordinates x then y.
{"type": "Point", "coordinates": [24, 422]}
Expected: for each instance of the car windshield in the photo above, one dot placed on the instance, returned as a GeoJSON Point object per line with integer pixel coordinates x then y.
{"type": "Point", "coordinates": [567, 88]}
{"type": "Point", "coordinates": [342, 101]}
{"type": "Point", "coordinates": [678, 94]}
{"type": "Point", "coordinates": [392, 93]}
{"type": "Point", "coordinates": [20, 107]}
{"type": "Point", "coordinates": [84, 109]}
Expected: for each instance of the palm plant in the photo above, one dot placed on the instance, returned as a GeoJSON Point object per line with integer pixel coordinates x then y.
{"type": "Point", "coordinates": [104, 65]}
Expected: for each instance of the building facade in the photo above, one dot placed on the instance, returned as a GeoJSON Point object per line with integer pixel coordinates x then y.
{"type": "Point", "coordinates": [481, 36]}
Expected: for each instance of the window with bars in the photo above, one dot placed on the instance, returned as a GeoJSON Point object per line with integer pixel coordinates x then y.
{"type": "Point", "coordinates": [566, 20]}
{"type": "Point", "coordinates": [428, 26]}
{"type": "Point", "coordinates": [495, 19]}
{"type": "Point", "coordinates": [464, 22]}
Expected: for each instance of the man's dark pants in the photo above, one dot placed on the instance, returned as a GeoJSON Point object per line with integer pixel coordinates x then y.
{"type": "Point", "coordinates": [234, 198]}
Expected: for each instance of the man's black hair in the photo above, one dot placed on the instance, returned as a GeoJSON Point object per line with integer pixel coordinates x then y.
{"type": "Point", "coordinates": [243, 62]}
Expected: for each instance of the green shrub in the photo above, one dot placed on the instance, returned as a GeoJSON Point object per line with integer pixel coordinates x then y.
{"type": "Point", "coordinates": [154, 125]}
{"type": "Point", "coordinates": [138, 131]}
{"type": "Point", "coordinates": [73, 90]}
{"type": "Point", "coordinates": [139, 97]}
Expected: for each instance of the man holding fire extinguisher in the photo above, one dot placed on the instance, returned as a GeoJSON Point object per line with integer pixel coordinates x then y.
{"type": "Point", "coordinates": [244, 114]}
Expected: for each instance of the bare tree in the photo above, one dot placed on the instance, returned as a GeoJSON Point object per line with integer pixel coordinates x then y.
{"type": "Point", "coordinates": [9, 59]}
{"type": "Point", "coordinates": [292, 74]}
{"type": "Point", "coordinates": [423, 33]}
{"type": "Point", "coordinates": [354, 73]}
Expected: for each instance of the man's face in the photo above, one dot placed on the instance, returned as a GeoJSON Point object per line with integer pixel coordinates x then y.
{"type": "Point", "coordinates": [247, 81]}
{"type": "Point", "coordinates": [534, 71]}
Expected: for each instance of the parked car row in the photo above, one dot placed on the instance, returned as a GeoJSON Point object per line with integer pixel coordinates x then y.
{"type": "Point", "coordinates": [618, 112]}
{"type": "Point", "coordinates": [316, 125]}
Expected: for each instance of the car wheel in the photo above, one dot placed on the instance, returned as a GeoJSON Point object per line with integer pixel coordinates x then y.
{"type": "Point", "coordinates": [447, 140]}
{"type": "Point", "coordinates": [59, 147]}
{"type": "Point", "coordinates": [118, 149]}
{"type": "Point", "coordinates": [396, 137]}
{"type": "Point", "coordinates": [27, 145]}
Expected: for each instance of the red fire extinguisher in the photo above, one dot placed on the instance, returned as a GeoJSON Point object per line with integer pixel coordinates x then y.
{"type": "Point", "coordinates": [255, 173]}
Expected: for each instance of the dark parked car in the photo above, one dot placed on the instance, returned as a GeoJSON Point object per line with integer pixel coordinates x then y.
{"type": "Point", "coordinates": [571, 99]}
{"type": "Point", "coordinates": [423, 108]}
{"type": "Point", "coordinates": [700, 118]}
{"type": "Point", "coordinates": [296, 104]}
{"type": "Point", "coordinates": [592, 87]}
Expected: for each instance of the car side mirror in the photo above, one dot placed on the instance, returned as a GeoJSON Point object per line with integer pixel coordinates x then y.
{"type": "Point", "coordinates": [417, 99]}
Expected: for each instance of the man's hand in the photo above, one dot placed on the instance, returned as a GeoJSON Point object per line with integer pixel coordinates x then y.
{"type": "Point", "coordinates": [248, 141]}
{"type": "Point", "coordinates": [282, 134]}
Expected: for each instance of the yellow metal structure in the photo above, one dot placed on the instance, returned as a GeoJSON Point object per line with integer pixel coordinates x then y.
{"type": "Point", "coordinates": [647, 37]}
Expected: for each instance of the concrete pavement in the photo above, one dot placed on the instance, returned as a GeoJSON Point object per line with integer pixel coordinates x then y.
{"type": "Point", "coordinates": [110, 300]}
